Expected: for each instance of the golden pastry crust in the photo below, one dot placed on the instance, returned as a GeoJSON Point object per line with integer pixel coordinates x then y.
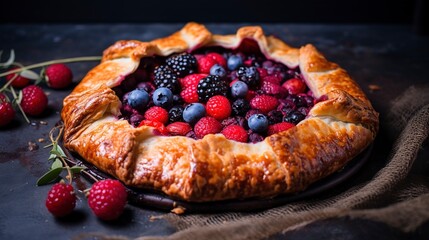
{"type": "Point", "coordinates": [215, 168]}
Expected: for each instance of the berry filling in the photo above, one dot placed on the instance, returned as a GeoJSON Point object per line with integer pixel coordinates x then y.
{"type": "Point", "coordinates": [238, 93]}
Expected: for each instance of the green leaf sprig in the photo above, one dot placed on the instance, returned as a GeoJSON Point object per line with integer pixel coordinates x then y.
{"type": "Point", "coordinates": [59, 160]}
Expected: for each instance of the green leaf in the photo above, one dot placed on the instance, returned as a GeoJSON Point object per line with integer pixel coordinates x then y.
{"type": "Point", "coordinates": [56, 150]}
{"type": "Point", "coordinates": [49, 177]}
{"type": "Point", "coordinates": [52, 157]}
{"type": "Point", "coordinates": [77, 169]}
{"type": "Point", "coordinates": [9, 61]}
{"type": "Point", "coordinates": [57, 164]}
{"type": "Point", "coordinates": [30, 74]}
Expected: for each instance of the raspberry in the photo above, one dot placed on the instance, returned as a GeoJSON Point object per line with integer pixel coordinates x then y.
{"type": "Point", "coordinates": [157, 114]}
{"type": "Point", "coordinates": [34, 100]}
{"type": "Point", "coordinates": [207, 125]}
{"type": "Point", "coordinates": [6, 111]}
{"type": "Point", "coordinates": [264, 103]}
{"type": "Point", "coordinates": [58, 76]}
{"type": "Point", "coordinates": [219, 59]}
{"type": "Point", "coordinates": [279, 127]}
{"type": "Point", "coordinates": [191, 80]}
{"type": "Point", "coordinates": [235, 132]}
{"type": "Point", "coordinates": [19, 80]}
{"type": "Point", "coordinates": [179, 128]}
{"type": "Point", "coordinates": [107, 199]}
{"type": "Point", "coordinates": [182, 64]}
{"type": "Point", "coordinates": [159, 127]}
{"type": "Point", "coordinates": [190, 94]}
{"type": "Point", "coordinates": [218, 107]}
{"type": "Point", "coordinates": [294, 86]}
{"type": "Point", "coordinates": [61, 199]}
{"type": "Point", "coordinates": [273, 89]}
{"type": "Point", "coordinates": [205, 64]}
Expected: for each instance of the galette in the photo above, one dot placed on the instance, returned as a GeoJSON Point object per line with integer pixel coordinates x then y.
{"type": "Point", "coordinates": [203, 117]}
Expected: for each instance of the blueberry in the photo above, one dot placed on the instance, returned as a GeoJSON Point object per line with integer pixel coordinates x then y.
{"type": "Point", "coordinates": [234, 62]}
{"type": "Point", "coordinates": [138, 99]}
{"type": "Point", "coordinates": [258, 123]}
{"type": "Point", "coordinates": [218, 70]}
{"type": "Point", "coordinates": [193, 112]}
{"type": "Point", "coordinates": [294, 117]}
{"type": "Point", "coordinates": [239, 89]}
{"type": "Point", "coordinates": [162, 97]}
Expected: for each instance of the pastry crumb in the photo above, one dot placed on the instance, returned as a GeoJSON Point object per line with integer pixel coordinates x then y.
{"type": "Point", "coordinates": [374, 87]}
{"type": "Point", "coordinates": [41, 140]}
{"type": "Point", "coordinates": [154, 218]}
{"type": "Point", "coordinates": [32, 146]}
{"type": "Point", "coordinates": [43, 123]}
{"type": "Point", "coordinates": [178, 210]}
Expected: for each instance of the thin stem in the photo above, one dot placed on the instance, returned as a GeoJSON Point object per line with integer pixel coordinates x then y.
{"type": "Point", "coordinates": [42, 64]}
{"type": "Point", "coordinates": [19, 105]}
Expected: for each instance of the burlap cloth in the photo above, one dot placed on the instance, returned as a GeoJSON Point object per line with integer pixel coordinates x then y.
{"type": "Point", "coordinates": [392, 196]}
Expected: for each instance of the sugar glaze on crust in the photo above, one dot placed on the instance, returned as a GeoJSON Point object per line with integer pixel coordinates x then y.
{"type": "Point", "coordinates": [215, 168]}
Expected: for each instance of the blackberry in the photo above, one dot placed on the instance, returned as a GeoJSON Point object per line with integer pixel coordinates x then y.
{"type": "Point", "coordinates": [165, 77]}
{"type": "Point", "coordinates": [249, 75]}
{"type": "Point", "coordinates": [274, 116]}
{"type": "Point", "coordinates": [182, 64]}
{"type": "Point", "coordinates": [211, 86]}
{"type": "Point", "coordinates": [240, 107]}
{"type": "Point", "coordinates": [176, 114]}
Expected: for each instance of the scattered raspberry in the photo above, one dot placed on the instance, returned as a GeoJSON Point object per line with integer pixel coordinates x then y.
{"type": "Point", "coordinates": [61, 199]}
{"type": "Point", "coordinates": [157, 114]}
{"type": "Point", "coordinates": [264, 103]}
{"type": "Point", "coordinates": [205, 63]}
{"type": "Point", "coordinates": [6, 111]}
{"type": "Point", "coordinates": [250, 95]}
{"type": "Point", "coordinates": [262, 72]}
{"type": "Point", "coordinates": [159, 127]}
{"type": "Point", "coordinates": [272, 79]}
{"type": "Point", "coordinates": [58, 76]}
{"type": "Point", "coordinates": [294, 86]}
{"type": "Point", "coordinates": [190, 94]}
{"type": "Point", "coordinates": [218, 107]}
{"type": "Point", "coordinates": [279, 127]}
{"type": "Point", "coordinates": [34, 100]}
{"type": "Point", "coordinates": [207, 125]}
{"type": "Point", "coordinates": [179, 128]}
{"type": "Point", "coordinates": [191, 80]}
{"type": "Point", "coordinates": [236, 133]}
{"type": "Point", "coordinates": [19, 81]}
{"type": "Point", "coordinates": [107, 199]}
{"type": "Point", "coordinates": [219, 59]}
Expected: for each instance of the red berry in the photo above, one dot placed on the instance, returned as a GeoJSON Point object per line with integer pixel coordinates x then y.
{"type": "Point", "coordinates": [58, 76]}
{"type": "Point", "coordinates": [264, 103]}
{"type": "Point", "coordinates": [19, 81]}
{"type": "Point", "coordinates": [205, 63]}
{"type": "Point", "coordinates": [262, 72]}
{"type": "Point", "coordinates": [272, 79]}
{"type": "Point", "coordinates": [207, 125]}
{"type": "Point", "coordinates": [107, 199]}
{"type": "Point", "coordinates": [279, 127]}
{"type": "Point", "coordinates": [218, 107]}
{"type": "Point", "coordinates": [157, 114]}
{"type": "Point", "coordinates": [250, 95]}
{"type": "Point", "coordinates": [273, 89]}
{"type": "Point", "coordinates": [190, 95]}
{"type": "Point", "coordinates": [61, 199]}
{"type": "Point", "coordinates": [179, 128]}
{"type": "Point", "coordinates": [219, 59]}
{"type": "Point", "coordinates": [6, 112]}
{"type": "Point", "coordinates": [295, 86]}
{"type": "Point", "coordinates": [191, 80]}
{"type": "Point", "coordinates": [159, 127]}
{"type": "Point", "coordinates": [34, 100]}
{"type": "Point", "coordinates": [235, 132]}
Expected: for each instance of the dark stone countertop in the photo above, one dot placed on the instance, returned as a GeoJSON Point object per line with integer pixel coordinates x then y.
{"type": "Point", "coordinates": [390, 56]}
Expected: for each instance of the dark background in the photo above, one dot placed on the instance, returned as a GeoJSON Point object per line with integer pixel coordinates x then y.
{"type": "Point", "coordinates": [143, 11]}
